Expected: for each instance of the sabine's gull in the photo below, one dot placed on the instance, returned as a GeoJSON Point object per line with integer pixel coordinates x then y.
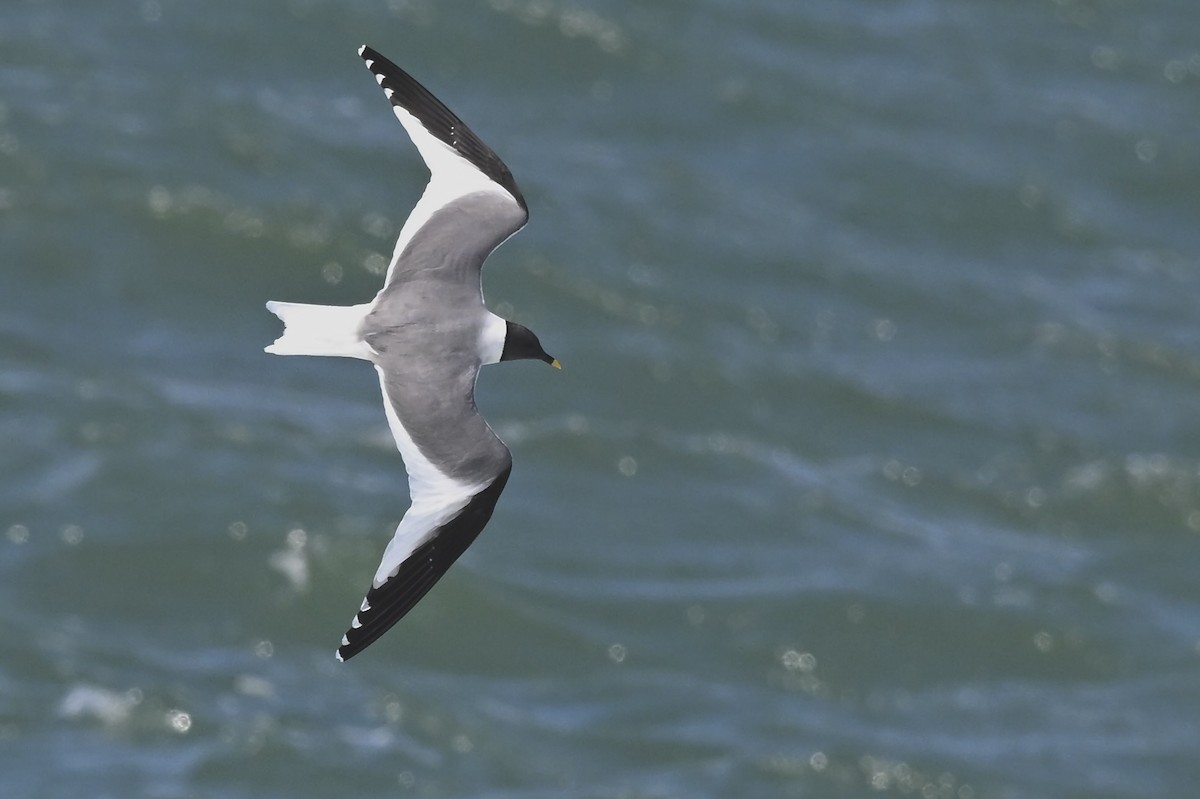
{"type": "Point", "coordinates": [428, 332]}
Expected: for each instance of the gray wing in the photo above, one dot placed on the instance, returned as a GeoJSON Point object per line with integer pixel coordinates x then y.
{"type": "Point", "coordinates": [460, 164]}
{"type": "Point", "coordinates": [457, 468]}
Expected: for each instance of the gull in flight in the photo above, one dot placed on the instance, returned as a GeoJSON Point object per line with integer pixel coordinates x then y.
{"type": "Point", "coordinates": [428, 332]}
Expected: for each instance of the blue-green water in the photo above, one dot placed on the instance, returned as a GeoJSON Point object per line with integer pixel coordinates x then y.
{"type": "Point", "coordinates": [874, 468]}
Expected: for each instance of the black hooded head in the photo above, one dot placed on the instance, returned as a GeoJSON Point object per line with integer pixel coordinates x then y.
{"type": "Point", "coordinates": [520, 342]}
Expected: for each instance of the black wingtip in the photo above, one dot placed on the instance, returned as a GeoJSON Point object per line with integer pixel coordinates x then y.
{"type": "Point", "coordinates": [390, 602]}
{"type": "Point", "coordinates": [407, 93]}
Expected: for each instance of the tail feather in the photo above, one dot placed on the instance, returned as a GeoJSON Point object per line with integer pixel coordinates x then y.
{"type": "Point", "coordinates": [319, 330]}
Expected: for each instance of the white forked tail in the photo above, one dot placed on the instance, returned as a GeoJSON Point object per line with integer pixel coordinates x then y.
{"type": "Point", "coordinates": [320, 330]}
